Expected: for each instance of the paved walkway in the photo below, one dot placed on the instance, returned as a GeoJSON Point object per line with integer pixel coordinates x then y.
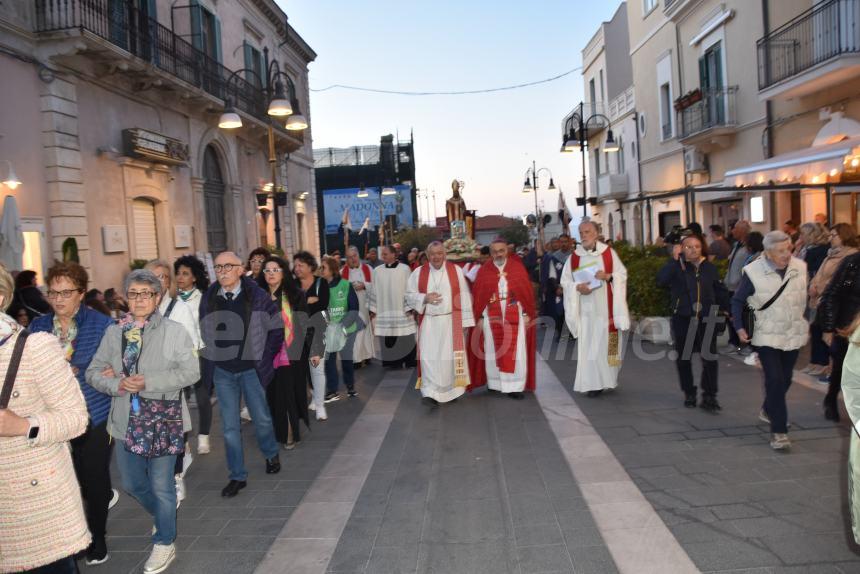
{"type": "Point", "coordinates": [627, 482]}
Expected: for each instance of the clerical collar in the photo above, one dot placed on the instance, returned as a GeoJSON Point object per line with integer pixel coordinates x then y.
{"type": "Point", "coordinates": [392, 265]}
{"type": "Point", "coordinates": [592, 250]}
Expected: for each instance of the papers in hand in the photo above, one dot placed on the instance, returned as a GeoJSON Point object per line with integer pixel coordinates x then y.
{"type": "Point", "coordinates": [586, 275]}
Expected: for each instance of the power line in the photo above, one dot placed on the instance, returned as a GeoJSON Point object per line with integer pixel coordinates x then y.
{"type": "Point", "coordinates": [457, 93]}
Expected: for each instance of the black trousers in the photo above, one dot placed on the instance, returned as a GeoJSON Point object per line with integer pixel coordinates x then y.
{"type": "Point", "coordinates": [398, 351]}
{"type": "Point", "coordinates": [91, 457]}
{"type": "Point", "coordinates": [838, 350]}
{"type": "Point", "coordinates": [62, 566]}
{"type": "Point", "coordinates": [778, 367]}
{"type": "Point", "coordinates": [692, 336]}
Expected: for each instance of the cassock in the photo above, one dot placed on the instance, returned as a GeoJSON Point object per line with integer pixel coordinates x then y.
{"type": "Point", "coordinates": [504, 305]}
{"type": "Point", "coordinates": [443, 367]}
{"type": "Point", "coordinates": [393, 322]}
{"type": "Point", "coordinates": [598, 319]}
{"type": "Point", "coordinates": [364, 345]}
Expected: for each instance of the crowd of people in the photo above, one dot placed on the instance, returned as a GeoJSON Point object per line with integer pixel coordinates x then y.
{"type": "Point", "coordinates": [272, 340]}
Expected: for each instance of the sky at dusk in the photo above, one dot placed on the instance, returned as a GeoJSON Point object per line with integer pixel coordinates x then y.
{"type": "Point", "coordinates": [486, 140]}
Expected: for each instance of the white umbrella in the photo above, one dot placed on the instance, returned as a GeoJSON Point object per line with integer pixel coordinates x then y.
{"type": "Point", "coordinates": [11, 236]}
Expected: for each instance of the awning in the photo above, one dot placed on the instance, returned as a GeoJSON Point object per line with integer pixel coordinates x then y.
{"type": "Point", "coordinates": [809, 165]}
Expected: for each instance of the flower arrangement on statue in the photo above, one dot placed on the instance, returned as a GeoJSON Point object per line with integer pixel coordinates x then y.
{"type": "Point", "coordinates": [459, 248]}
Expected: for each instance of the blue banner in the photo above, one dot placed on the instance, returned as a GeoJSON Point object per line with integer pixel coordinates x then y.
{"type": "Point", "coordinates": [337, 201]}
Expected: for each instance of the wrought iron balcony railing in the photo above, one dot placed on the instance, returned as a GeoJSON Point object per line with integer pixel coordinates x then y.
{"type": "Point", "coordinates": [828, 29]}
{"type": "Point", "coordinates": [122, 24]}
{"type": "Point", "coordinates": [715, 108]}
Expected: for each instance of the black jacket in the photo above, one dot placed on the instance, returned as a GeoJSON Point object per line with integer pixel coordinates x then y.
{"type": "Point", "coordinates": [840, 301]}
{"type": "Point", "coordinates": [689, 285]}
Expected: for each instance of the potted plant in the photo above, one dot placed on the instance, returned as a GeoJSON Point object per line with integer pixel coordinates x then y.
{"type": "Point", "coordinates": [694, 96]}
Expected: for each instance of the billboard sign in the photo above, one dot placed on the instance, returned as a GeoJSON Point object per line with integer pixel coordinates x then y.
{"type": "Point", "coordinates": [336, 201]}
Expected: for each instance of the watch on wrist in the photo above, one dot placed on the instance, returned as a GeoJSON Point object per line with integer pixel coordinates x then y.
{"type": "Point", "coordinates": [33, 432]}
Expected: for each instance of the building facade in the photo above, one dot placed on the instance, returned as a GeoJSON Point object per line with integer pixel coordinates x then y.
{"type": "Point", "coordinates": [721, 139]}
{"type": "Point", "coordinates": [111, 123]}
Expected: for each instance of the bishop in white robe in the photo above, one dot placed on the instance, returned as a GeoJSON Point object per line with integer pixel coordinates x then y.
{"type": "Point", "coordinates": [439, 293]}
{"type": "Point", "coordinates": [596, 315]}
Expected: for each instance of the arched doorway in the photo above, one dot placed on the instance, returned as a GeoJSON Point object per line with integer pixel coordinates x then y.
{"type": "Point", "coordinates": [145, 230]}
{"type": "Point", "coordinates": [213, 198]}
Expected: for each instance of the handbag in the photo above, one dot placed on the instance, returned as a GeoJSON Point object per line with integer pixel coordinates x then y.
{"type": "Point", "coordinates": [748, 314]}
{"type": "Point", "coordinates": [12, 370]}
{"type": "Point", "coordinates": [335, 338]}
{"type": "Point", "coordinates": [155, 427]}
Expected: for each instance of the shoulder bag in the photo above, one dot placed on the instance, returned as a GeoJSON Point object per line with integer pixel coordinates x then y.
{"type": "Point", "coordinates": [12, 370]}
{"type": "Point", "coordinates": [748, 317]}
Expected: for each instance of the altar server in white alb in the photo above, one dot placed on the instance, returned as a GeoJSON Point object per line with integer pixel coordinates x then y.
{"type": "Point", "coordinates": [391, 316]}
{"type": "Point", "coordinates": [439, 293]}
{"type": "Point", "coordinates": [596, 311]}
{"type": "Point", "coordinates": [359, 274]}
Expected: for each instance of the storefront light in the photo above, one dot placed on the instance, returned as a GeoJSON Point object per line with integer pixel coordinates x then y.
{"type": "Point", "coordinates": [11, 181]}
{"type": "Point", "coordinates": [757, 209]}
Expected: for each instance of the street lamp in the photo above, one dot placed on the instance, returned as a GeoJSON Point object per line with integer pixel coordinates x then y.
{"type": "Point", "coordinates": [280, 105]}
{"type": "Point", "coordinates": [575, 134]}
{"type": "Point", "coordinates": [531, 185]}
{"type": "Point", "coordinates": [11, 181]}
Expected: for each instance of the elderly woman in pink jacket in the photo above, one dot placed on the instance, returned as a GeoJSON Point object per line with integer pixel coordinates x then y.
{"type": "Point", "coordinates": [42, 524]}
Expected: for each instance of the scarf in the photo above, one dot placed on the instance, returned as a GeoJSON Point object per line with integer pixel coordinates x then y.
{"type": "Point", "coordinates": [132, 332]}
{"type": "Point", "coordinates": [185, 295]}
{"type": "Point", "coordinates": [67, 342]}
{"type": "Point", "coordinates": [282, 359]}
{"type": "Point", "coordinates": [8, 327]}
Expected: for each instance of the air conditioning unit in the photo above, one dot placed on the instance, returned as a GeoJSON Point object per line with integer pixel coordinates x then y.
{"type": "Point", "coordinates": [695, 161]}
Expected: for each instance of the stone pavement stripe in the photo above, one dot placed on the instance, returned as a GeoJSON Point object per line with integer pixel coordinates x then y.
{"type": "Point", "coordinates": [308, 540]}
{"type": "Point", "coordinates": [637, 538]}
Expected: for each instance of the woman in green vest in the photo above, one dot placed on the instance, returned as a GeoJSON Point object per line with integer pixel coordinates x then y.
{"type": "Point", "coordinates": [343, 324]}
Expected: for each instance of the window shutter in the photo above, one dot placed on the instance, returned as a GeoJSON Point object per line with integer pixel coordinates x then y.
{"type": "Point", "coordinates": [249, 62]}
{"type": "Point", "coordinates": [718, 66]}
{"type": "Point", "coordinates": [703, 73]}
{"type": "Point", "coordinates": [217, 39]}
{"type": "Point", "coordinates": [145, 235]}
{"type": "Point", "coordinates": [196, 24]}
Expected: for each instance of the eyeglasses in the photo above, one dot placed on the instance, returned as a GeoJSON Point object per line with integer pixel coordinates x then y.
{"type": "Point", "coordinates": [226, 268]}
{"type": "Point", "coordinates": [273, 270]}
{"type": "Point", "coordinates": [64, 294]}
{"type": "Point", "coordinates": [142, 295]}
{"type": "Point", "coordinates": [692, 247]}
{"type": "Point", "coordinates": [257, 259]}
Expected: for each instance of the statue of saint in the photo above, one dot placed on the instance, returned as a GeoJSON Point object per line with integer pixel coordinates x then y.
{"type": "Point", "coordinates": [455, 207]}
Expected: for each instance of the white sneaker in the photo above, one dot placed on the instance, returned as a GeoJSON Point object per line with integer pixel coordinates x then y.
{"type": "Point", "coordinates": [180, 489]}
{"type": "Point", "coordinates": [321, 414]}
{"type": "Point", "coordinates": [312, 407]}
{"type": "Point", "coordinates": [160, 558]}
{"type": "Point", "coordinates": [780, 442]}
{"type": "Point", "coordinates": [203, 444]}
{"type": "Point", "coordinates": [245, 414]}
{"type": "Point", "coordinates": [751, 359]}
{"type": "Point", "coordinates": [114, 498]}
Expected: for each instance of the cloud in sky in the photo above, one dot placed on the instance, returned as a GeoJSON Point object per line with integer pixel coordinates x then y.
{"type": "Point", "coordinates": [487, 140]}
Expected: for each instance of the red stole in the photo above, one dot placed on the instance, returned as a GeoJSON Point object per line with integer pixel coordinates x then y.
{"type": "Point", "coordinates": [459, 340]}
{"type": "Point", "coordinates": [365, 268]}
{"type": "Point", "coordinates": [504, 328]}
{"type": "Point", "coordinates": [607, 268]}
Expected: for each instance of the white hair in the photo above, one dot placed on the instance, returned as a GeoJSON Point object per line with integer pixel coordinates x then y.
{"type": "Point", "coordinates": [774, 238]}
{"type": "Point", "coordinates": [352, 249]}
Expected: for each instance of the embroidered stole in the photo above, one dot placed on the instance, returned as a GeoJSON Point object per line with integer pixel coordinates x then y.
{"type": "Point", "coordinates": [613, 352]}
{"type": "Point", "coordinates": [504, 328]}
{"type": "Point", "coordinates": [460, 374]}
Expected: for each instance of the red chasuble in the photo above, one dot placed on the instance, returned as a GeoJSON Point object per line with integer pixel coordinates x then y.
{"type": "Point", "coordinates": [485, 300]}
{"type": "Point", "coordinates": [365, 269]}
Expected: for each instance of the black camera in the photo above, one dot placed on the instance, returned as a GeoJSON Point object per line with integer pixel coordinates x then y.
{"type": "Point", "coordinates": [677, 235]}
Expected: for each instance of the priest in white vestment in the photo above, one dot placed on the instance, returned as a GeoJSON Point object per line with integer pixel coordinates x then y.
{"type": "Point", "coordinates": [391, 316]}
{"type": "Point", "coordinates": [439, 293]}
{"type": "Point", "coordinates": [595, 309]}
{"type": "Point", "coordinates": [359, 274]}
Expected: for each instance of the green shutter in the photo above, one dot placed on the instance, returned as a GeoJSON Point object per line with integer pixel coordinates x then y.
{"type": "Point", "coordinates": [718, 65]}
{"type": "Point", "coordinates": [249, 60]}
{"type": "Point", "coordinates": [217, 54]}
{"type": "Point", "coordinates": [703, 73]}
{"type": "Point", "coordinates": [196, 24]}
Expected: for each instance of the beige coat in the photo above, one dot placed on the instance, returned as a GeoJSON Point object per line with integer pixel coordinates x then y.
{"type": "Point", "coordinates": [825, 274]}
{"type": "Point", "coordinates": [41, 513]}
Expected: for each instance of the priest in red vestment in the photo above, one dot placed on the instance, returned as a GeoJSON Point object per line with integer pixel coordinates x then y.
{"type": "Point", "coordinates": [503, 342]}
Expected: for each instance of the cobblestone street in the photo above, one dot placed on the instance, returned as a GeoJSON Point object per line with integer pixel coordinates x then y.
{"type": "Point", "coordinates": [627, 482]}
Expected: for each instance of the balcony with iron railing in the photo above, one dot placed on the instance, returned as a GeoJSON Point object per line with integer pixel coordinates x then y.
{"type": "Point", "coordinates": [815, 50]}
{"type": "Point", "coordinates": [119, 23]}
{"type": "Point", "coordinates": [713, 114]}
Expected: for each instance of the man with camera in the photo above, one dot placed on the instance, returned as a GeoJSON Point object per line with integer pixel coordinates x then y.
{"type": "Point", "coordinates": [697, 298]}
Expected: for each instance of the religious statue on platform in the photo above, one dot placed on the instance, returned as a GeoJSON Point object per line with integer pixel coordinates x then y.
{"type": "Point", "coordinates": [455, 207]}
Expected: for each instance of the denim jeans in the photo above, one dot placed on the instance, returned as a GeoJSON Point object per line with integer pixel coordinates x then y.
{"type": "Point", "coordinates": [150, 482]}
{"type": "Point", "coordinates": [778, 367]}
{"type": "Point", "coordinates": [346, 364]}
{"type": "Point", "coordinates": [230, 387]}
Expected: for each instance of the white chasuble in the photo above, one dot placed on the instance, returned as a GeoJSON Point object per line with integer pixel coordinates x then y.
{"type": "Point", "coordinates": [387, 299]}
{"type": "Point", "coordinates": [364, 339]}
{"type": "Point", "coordinates": [435, 335]}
